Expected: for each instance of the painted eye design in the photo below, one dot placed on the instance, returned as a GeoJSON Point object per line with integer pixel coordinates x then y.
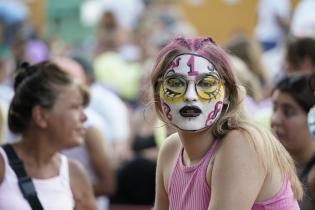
{"type": "Point", "coordinates": [174, 87]}
{"type": "Point", "coordinates": [170, 93]}
{"type": "Point", "coordinates": [208, 87]}
{"type": "Point", "coordinates": [207, 83]}
{"type": "Point", "coordinates": [175, 83]}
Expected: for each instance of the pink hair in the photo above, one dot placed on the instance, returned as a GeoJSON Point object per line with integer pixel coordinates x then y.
{"type": "Point", "coordinates": [208, 49]}
{"type": "Point", "coordinates": [205, 47]}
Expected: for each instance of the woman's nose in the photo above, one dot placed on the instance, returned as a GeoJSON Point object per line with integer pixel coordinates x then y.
{"type": "Point", "coordinates": [276, 118]}
{"type": "Point", "coordinates": [191, 95]}
{"type": "Point", "coordinates": [83, 116]}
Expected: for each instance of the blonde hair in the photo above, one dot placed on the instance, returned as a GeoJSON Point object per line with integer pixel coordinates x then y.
{"type": "Point", "coordinates": [246, 78]}
{"type": "Point", "coordinates": [233, 117]}
{"type": "Point", "coordinates": [248, 49]}
{"type": "Point", "coordinates": [2, 123]}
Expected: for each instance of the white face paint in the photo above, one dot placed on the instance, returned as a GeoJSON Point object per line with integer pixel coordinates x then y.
{"type": "Point", "coordinates": [191, 93]}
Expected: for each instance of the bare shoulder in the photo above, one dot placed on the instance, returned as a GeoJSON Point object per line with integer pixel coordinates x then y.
{"type": "Point", "coordinates": [77, 176]}
{"type": "Point", "coordinates": [169, 150]}
{"type": "Point", "coordinates": [236, 139]}
{"type": "Point", "coordinates": [170, 145]}
{"type": "Point", "coordinates": [168, 156]}
{"type": "Point", "coordinates": [76, 169]}
{"type": "Point", "coordinates": [237, 175]}
{"type": "Point", "coordinates": [81, 187]}
{"type": "Point", "coordinates": [238, 146]}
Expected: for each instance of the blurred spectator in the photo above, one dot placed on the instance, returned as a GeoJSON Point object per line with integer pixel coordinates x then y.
{"type": "Point", "coordinates": [6, 90]}
{"type": "Point", "coordinates": [47, 111]}
{"type": "Point", "coordinates": [13, 13]}
{"type": "Point", "coordinates": [113, 112]}
{"type": "Point", "coordinates": [300, 55]}
{"type": "Point", "coordinates": [272, 22]}
{"type": "Point", "coordinates": [260, 111]}
{"type": "Point", "coordinates": [300, 58]}
{"type": "Point", "coordinates": [36, 51]}
{"type": "Point", "coordinates": [110, 35]}
{"type": "Point", "coordinates": [127, 12]}
{"type": "Point", "coordinates": [246, 78]}
{"type": "Point", "coordinates": [3, 123]}
{"type": "Point", "coordinates": [303, 19]}
{"type": "Point", "coordinates": [292, 100]}
{"type": "Point", "coordinates": [249, 51]}
{"type": "Point", "coordinates": [93, 152]}
{"type": "Point", "coordinates": [118, 74]}
{"type": "Point", "coordinates": [139, 171]}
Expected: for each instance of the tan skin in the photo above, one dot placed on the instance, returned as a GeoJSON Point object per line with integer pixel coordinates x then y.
{"type": "Point", "coordinates": [50, 131]}
{"type": "Point", "coordinates": [289, 123]}
{"type": "Point", "coordinates": [100, 163]}
{"type": "Point", "coordinates": [235, 176]}
{"type": "Point", "coordinates": [233, 153]}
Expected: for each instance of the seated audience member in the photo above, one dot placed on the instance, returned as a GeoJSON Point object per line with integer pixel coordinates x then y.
{"type": "Point", "coordinates": [47, 112]}
{"type": "Point", "coordinates": [292, 100]}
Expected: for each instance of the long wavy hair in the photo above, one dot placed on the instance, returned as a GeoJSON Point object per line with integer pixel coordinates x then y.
{"type": "Point", "coordinates": [233, 116]}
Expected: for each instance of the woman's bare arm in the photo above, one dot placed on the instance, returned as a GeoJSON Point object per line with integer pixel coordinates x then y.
{"type": "Point", "coordinates": [81, 188]}
{"type": "Point", "coordinates": [237, 175]}
{"type": "Point", "coordinates": [166, 159]}
{"type": "Point", "coordinates": [100, 162]}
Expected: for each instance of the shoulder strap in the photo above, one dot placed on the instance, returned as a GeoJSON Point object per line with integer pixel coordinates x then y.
{"type": "Point", "coordinates": [308, 167]}
{"type": "Point", "coordinates": [25, 182]}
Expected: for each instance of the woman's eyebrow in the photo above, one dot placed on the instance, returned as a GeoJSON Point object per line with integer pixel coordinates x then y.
{"type": "Point", "coordinates": [173, 73]}
{"type": "Point", "coordinates": [203, 75]}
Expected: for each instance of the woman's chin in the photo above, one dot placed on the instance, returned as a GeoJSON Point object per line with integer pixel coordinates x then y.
{"type": "Point", "coordinates": [76, 142]}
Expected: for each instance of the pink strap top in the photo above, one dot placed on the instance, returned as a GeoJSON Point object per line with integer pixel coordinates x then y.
{"type": "Point", "coordinates": [53, 193]}
{"type": "Point", "coordinates": [283, 200]}
{"type": "Point", "coordinates": [188, 188]}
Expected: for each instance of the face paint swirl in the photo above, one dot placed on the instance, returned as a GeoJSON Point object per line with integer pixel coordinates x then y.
{"type": "Point", "coordinates": [192, 91]}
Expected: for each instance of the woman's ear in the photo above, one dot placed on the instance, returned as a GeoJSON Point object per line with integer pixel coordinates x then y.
{"type": "Point", "coordinates": [226, 100]}
{"type": "Point", "coordinates": [39, 116]}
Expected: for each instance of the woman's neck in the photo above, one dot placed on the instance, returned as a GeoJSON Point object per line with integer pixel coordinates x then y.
{"type": "Point", "coordinates": [196, 145]}
{"type": "Point", "coordinates": [36, 149]}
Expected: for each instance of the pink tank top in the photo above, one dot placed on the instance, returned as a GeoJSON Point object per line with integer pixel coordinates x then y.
{"type": "Point", "coordinates": [188, 188]}
{"type": "Point", "coordinates": [54, 193]}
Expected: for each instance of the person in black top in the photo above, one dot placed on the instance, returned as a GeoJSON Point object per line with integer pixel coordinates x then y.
{"type": "Point", "coordinates": [292, 100]}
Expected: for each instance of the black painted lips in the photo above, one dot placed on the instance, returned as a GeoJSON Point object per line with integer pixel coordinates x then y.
{"type": "Point", "coordinates": [190, 111]}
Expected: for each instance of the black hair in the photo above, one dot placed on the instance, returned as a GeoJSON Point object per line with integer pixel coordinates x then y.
{"type": "Point", "coordinates": [298, 87]}
{"type": "Point", "coordinates": [298, 49]}
{"type": "Point", "coordinates": [34, 85]}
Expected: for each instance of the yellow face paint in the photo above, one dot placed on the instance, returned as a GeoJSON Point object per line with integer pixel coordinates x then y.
{"type": "Point", "coordinates": [192, 92]}
{"type": "Point", "coordinates": [174, 87]}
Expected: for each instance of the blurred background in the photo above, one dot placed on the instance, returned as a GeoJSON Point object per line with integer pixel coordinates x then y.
{"type": "Point", "coordinates": [111, 46]}
{"type": "Point", "coordinates": [75, 20]}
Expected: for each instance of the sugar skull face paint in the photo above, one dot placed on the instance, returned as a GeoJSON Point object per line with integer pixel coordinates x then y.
{"type": "Point", "coordinates": [191, 92]}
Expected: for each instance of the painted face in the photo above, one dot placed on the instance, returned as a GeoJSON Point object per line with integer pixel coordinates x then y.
{"type": "Point", "coordinates": [191, 92]}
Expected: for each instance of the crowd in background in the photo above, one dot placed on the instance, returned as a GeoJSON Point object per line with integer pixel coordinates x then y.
{"type": "Point", "coordinates": [120, 148]}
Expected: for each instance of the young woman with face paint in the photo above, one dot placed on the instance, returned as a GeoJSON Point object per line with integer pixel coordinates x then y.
{"type": "Point", "coordinates": [218, 159]}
